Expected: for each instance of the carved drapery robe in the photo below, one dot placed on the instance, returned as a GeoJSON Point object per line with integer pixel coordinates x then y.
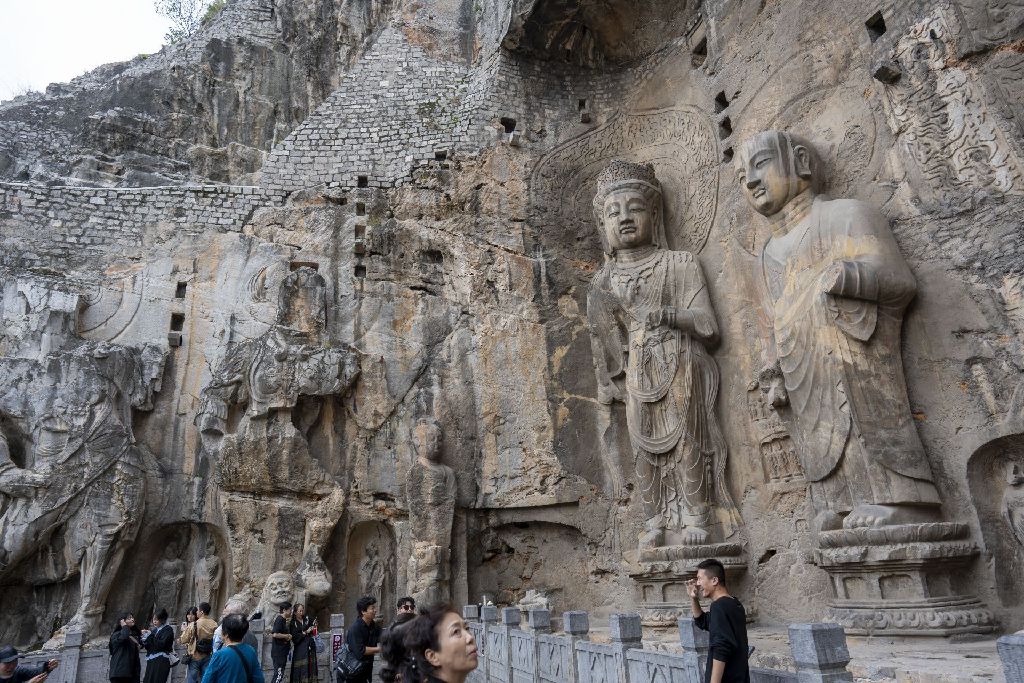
{"type": "Point", "coordinates": [668, 381]}
{"type": "Point", "coordinates": [838, 288]}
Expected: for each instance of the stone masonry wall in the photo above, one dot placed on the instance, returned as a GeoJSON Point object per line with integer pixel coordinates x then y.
{"type": "Point", "coordinates": [60, 229]}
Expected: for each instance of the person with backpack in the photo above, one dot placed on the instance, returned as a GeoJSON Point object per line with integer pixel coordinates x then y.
{"type": "Point", "coordinates": [197, 637]}
{"type": "Point", "coordinates": [236, 662]}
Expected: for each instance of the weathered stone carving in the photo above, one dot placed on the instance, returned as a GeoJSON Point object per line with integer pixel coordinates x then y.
{"type": "Point", "coordinates": [1013, 500]}
{"type": "Point", "coordinates": [837, 287]}
{"type": "Point", "coordinates": [279, 381]}
{"type": "Point", "coordinates": [280, 588]}
{"type": "Point", "coordinates": [71, 473]}
{"type": "Point", "coordinates": [953, 146]}
{"type": "Point", "coordinates": [651, 322]}
{"type": "Point", "coordinates": [778, 457]}
{"type": "Point", "coordinates": [430, 489]}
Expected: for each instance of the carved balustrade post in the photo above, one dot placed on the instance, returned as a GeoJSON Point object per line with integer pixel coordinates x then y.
{"type": "Point", "coordinates": [1011, 653]}
{"type": "Point", "coordinates": [820, 653]}
{"type": "Point", "coordinates": [258, 627]}
{"type": "Point", "coordinates": [695, 644]}
{"type": "Point", "coordinates": [489, 617]}
{"type": "Point", "coordinates": [70, 653]}
{"type": "Point", "coordinates": [626, 633]}
{"type": "Point", "coordinates": [576, 625]}
{"type": "Point", "coordinates": [539, 621]}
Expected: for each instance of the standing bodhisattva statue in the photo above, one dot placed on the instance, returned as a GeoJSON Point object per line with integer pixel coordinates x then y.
{"type": "Point", "coordinates": [651, 324]}
{"type": "Point", "coordinates": [837, 289]}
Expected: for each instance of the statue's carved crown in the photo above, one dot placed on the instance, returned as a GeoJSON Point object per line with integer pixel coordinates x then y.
{"type": "Point", "coordinates": [621, 173]}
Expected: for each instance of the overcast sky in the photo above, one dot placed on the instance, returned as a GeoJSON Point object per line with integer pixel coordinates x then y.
{"type": "Point", "coordinates": [52, 41]}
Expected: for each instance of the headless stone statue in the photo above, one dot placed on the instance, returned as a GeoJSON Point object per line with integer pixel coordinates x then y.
{"type": "Point", "coordinates": [837, 288]}
{"type": "Point", "coordinates": [651, 324]}
{"type": "Point", "coordinates": [431, 491]}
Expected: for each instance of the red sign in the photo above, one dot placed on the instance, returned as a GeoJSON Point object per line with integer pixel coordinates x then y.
{"type": "Point", "coordinates": [336, 641]}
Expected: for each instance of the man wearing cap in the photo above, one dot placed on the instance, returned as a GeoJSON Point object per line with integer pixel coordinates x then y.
{"type": "Point", "coordinates": [10, 672]}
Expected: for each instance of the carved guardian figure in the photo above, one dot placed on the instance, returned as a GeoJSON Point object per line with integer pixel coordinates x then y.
{"type": "Point", "coordinates": [651, 325]}
{"type": "Point", "coordinates": [837, 288]}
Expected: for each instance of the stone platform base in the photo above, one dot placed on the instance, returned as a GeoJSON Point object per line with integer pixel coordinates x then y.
{"type": "Point", "coordinates": [905, 580]}
{"type": "Point", "coordinates": [663, 573]}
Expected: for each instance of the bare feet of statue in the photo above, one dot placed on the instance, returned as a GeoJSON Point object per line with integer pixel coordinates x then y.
{"type": "Point", "coordinates": [652, 537]}
{"type": "Point", "coordinates": [869, 515]}
{"type": "Point", "coordinates": [688, 535]}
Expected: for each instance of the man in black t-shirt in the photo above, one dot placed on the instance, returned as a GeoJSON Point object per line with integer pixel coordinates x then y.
{"type": "Point", "coordinates": [282, 644]}
{"type": "Point", "coordinates": [363, 636]}
{"type": "Point", "coordinates": [726, 623]}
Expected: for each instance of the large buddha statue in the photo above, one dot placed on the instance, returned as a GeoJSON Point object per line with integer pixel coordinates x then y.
{"type": "Point", "coordinates": [652, 323]}
{"type": "Point", "coordinates": [837, 288]}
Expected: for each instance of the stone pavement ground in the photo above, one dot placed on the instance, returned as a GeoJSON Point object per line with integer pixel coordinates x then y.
{"type": "Point", "coordinates": [904, 660]}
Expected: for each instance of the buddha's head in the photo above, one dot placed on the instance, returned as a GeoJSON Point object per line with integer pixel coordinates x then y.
{"type": "Point", "coordinates": [773, 167]}
{"type": "Point", "coordinates": [426, 438]}
{"type": "Point", "coordinates": [628, 207]}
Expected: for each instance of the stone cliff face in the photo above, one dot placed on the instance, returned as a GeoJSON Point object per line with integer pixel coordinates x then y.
{"type": "Point", "coordinates": [383, 212]}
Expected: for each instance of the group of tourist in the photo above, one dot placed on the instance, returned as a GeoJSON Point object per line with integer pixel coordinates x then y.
{"type": "Point", "coordinates": [435, 645]}
{"type": "Point", "coordinates": [294, 634]}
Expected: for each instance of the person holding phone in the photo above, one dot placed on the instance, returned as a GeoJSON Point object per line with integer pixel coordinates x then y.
{"type": "Point", "coordinates": [10, 672]}
{"type": "Point", "coordinates": [303, 628]}
{"type": "Point", "coordinates": [125, 643]}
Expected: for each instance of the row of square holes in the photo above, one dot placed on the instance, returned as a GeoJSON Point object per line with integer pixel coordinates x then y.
{"type": "Point", "coordinates": [876, 29]}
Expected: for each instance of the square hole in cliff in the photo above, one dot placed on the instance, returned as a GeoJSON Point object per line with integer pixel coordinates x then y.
{"type": "Point", "coordinates": [875, 26]}
{"type": "Point", "coordinates": [177, 322]}
{"type": "Point", "coordinates": [699, 55]}
{"type": "Point", "coordinates": [721, 102]}
{"type": "Point", "coordinates": [360, 209]}
{"type": "Point", "coordinates": [508, 124]}
{"type": "Point", "coordinates": [362, 181]}
{"type": "Point", "coordinates": [180, 290]}
{"type": "Point", "coordinates": [360, 272]}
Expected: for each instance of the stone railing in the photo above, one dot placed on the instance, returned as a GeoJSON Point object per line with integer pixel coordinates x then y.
{"type": "Point", "coordinates": [511, 654]}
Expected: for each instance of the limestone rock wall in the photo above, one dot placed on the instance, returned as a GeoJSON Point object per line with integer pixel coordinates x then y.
{"type": "Point", "coordinates": [457, 273]}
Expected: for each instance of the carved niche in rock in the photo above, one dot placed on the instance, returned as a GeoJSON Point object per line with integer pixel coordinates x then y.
{"type": "Point", "coordinates": [371, 565]}
{"type": "Point", "coordinates": [652, 324]}
{"type": "Point", "coordinates": [837, 287]}
{"type": "Point", "coordinates": [430, 489]}
{"type": "Point", "coordinates": [72, 476]}
{"type": "Point", "coordinates": [256, 417]}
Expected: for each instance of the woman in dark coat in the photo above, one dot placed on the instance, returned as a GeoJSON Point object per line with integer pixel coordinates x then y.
{"type": "Point", "coordinates": [159, 643]}
{"type": "Point", "coordinates": [124, 646]}
{"type": "Point", "coordinates": [302, 628]}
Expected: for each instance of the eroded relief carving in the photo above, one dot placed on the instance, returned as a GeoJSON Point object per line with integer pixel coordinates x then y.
{"type": "Point", "coordinates": [71, 472]}
{"type": "Point", "coordinates": [778, 457]}
{"type": "Point", "coordinates": [651, 324]}
{"type": "Point", "coordinates": [955, 150]}
{"type": "Point", "coordinates": [992, 22]}
{"type": "Point", "coordinates": [1013, 500]}
{"type": "Point", "coordinates": [680, 144]}
{"type": "Point", "coordinates": [430, 489]}
{"type": "Point", "coordinates": [281, 383]}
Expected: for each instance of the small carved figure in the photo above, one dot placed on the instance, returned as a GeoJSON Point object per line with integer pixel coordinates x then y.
{"type": "Point", "coordinates": [652, 324]}
{"type": "Point", "coordinates": [208, 576]}
{"type": "Point", "coordinates": [837, 288]}
{"type": "Point", "coordinates": [1013, 500]}
{"type": "Point", "coordinates": [431, 492]}
{"type": "Point", "coordinates": [168, 579]}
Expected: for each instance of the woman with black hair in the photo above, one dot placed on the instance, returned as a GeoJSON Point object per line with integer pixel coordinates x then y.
{"type": "Point", "coordinates": [439, 647]}
{"type": "Point", "coordinates": [303, 627]}
{"type": "Point", "coordinates": [125, 642]}
{"type": "Point", "coordinates": [392, 648]}
{"type": "Point", "coordinates": [159, 644]}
